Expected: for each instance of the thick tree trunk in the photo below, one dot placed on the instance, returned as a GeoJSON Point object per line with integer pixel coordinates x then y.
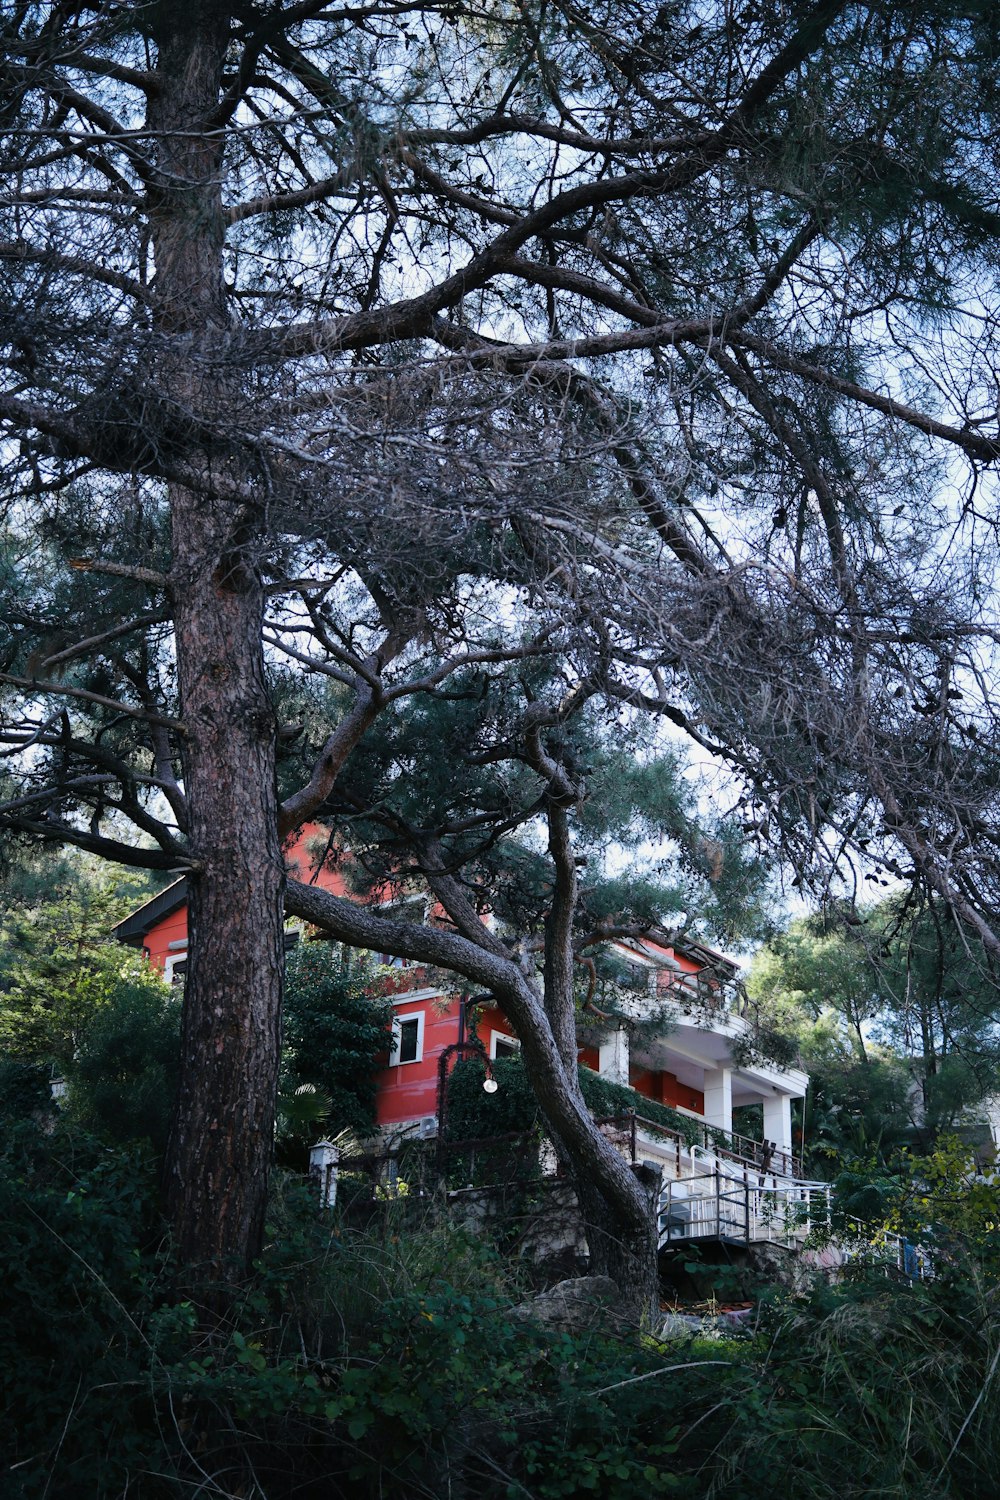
{"type": "Point", "coordinates": [220, 1149]}
{"type": "Point", "coordinates": [621, 1246]}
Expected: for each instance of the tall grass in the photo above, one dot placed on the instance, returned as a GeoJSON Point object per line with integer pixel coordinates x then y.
{"type": "Point", "coordinates": [876, 1390]}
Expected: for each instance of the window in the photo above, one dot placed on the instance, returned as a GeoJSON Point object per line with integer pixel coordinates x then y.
{"type": "Point", "coordinates": [175, 968]}
{"type": "Point", "coordinates": [502, 1045]}
{"type": "Point", "coordinates": [407, 1039]}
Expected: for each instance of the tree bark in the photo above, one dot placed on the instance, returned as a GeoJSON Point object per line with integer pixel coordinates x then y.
{"type": "Point", "coordinates": [220, 1149]}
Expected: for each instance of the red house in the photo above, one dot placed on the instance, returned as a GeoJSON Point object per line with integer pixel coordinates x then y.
{"type": "Point", "coordinates": [427, 1020]}
{"type": "Point", "coordinates": [690, 1067]}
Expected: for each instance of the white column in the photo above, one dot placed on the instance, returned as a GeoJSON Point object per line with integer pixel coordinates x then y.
{"type": "Point", "coordinates": [719, 1098]}
{"type": "Point", "coordinates": [778, 1120]}
{"type": "Point", "coordinates": [323, 1159]}
{"type": "Point", "coordinates": [613, 1062]}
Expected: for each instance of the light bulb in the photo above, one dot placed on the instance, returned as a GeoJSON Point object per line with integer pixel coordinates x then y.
{"type": "Point", "coordinates": [490, 1085]}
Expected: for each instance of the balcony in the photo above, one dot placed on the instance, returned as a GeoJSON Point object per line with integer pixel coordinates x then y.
{"type": "Point", "coordinates": [722, 1187]}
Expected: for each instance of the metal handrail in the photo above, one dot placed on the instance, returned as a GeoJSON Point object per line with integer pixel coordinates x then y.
{"type": "Point", "coordinates": [736, 1208]}
{"type": "Point", "coordinates": [724, 1143]}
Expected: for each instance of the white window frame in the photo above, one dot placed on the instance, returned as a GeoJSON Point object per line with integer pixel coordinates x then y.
{"type": "Point", "coordinates": [397, 1038]}
{"type": "Point", "coordinates": [170, 963]}
{"type": "Point", "coordinates": [503, 1036]}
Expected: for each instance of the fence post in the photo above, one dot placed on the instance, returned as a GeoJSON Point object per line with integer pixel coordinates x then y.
{"type": "Point", "coordinates": [323, 1159]}
{"type": "Point", "coordinates": [746, 1203]}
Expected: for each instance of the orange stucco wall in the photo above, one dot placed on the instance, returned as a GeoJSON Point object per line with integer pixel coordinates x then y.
{"type": "Point", "coordinates": [172, 929]}
{"type": "Point", "coordinates": [488, 1020]}
{"type": "Point", "coordinates": [300, 854]}
{"type": "Point", "coordinates": [409, 1090]}
{"type": "Point", "coordinates": [665, 1089]}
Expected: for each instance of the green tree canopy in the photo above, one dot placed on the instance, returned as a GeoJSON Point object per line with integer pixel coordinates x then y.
{"type": "Point", "coordinates": [59, 965]}
{"type": "Point", "coordinates": [896, 1012]}
{"type": "Point", "coordinates": [389, 339]}
{"type": "Point", "coordinates": [336, 1033]}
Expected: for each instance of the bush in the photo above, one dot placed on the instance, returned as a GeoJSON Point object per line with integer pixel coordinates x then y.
{"type": "Point", "coordinates": [381, 1362]}
{"type": "Point", "coordinates": [25, 1090]}
{"type": "Point", "coordinates": [335, 1031]}
{"type": "Point", "coordinates": [400, 1361]}
{"type": "Point", "coordinates": [77, 1284]}
{"type": "Point", "coordinates": [605, 1098]}
{"type": "Point", "coordinates": [474, 1114]}
{"type": "Point", "coordinates": [872, 1388]}
{"type": "Point", "coordinates": [123, 1081]}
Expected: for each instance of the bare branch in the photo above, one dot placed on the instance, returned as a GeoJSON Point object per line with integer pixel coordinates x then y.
{"type": "Point", "coordinates": [63, 690]}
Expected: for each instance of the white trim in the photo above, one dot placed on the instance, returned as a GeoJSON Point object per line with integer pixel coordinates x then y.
{"type": "Point", "coordinates": [506, 1038]}
{"type": "Point", "coordinates": [692, 1114]}
{"type": "Point", "coordinates": [410, 997]}
{"type": "Point", "coordinates": [170, 964]}
{"type": "Point", "coordinates": [397, 1037]}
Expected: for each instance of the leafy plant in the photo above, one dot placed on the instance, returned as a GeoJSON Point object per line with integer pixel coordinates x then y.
{"type": "Point", "coordinates": [474, 1114]}
{"type": "Point", "coordinates": [59, 964]}
{"type": "Point", "coordinates": [403, 1359]}
{"type": "Point", "coordinates": [336, 1024]}
{"type": "Point", "coordinates": [123, 1079]}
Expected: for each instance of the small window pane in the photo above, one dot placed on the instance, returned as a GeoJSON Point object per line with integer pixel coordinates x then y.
{"type": "Point", "coordinates": [409, 1040]}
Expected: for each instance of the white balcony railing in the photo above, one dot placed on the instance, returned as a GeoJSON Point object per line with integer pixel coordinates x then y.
{"type": "Point", "coordinates": [710, 1190]}
{"type": "Point", "coordinates": [717, 1204]}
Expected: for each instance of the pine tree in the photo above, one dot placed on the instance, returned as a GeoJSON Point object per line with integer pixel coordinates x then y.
{"type": "Point", "coordinates": [635, 339]}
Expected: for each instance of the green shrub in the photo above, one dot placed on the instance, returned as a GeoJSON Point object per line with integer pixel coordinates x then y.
{"type": "Point", "coordinates": [123, 1081]}
{"type": "Point", "coordinates": [401, 1360]}
{"type": "Point", "coordinates": [25, 1089]}
{"type": "Point", "coordinates": [76, 1282]}
{"type": "Point", "coordinates": [388, 1361]}
{"type": "Point", "coordinates": [59, 965]}
{"type": "Point", "coordinates": [873, 1388]}
{"type": "Point", "coordinates": [605, 1098]}
{"type": "Point", "coordinates": [335, 1029]}
{"type": "Point", "coordinates": [474, 1114]}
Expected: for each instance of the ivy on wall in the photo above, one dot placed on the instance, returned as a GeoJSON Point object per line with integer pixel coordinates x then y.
{"type": "Point", "coordinates": [473, 1114]}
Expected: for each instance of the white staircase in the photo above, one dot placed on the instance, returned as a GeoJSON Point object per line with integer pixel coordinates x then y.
{"type": "Point", "coordinates": [708, 1192]}
{"type": "Point", "coordinates": [740, 1208]}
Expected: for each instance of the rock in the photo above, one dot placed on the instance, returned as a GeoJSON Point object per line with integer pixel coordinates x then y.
{"type": "Point", "coordinates": [578, 1304]}
{"type": "Point", "coordinates": [680, 1326]}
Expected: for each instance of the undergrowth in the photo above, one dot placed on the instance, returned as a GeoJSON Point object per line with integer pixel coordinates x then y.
{"type": "Point", "coordinates": [402, 1359]}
